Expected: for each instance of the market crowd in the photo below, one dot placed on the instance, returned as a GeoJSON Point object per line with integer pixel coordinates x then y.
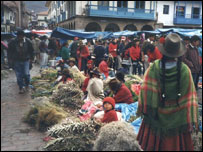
{"type": "Point", "coordinates": [170, 67]}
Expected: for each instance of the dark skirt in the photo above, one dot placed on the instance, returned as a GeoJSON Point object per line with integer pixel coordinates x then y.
{"type": "Point", "coordinates": [151, 142]}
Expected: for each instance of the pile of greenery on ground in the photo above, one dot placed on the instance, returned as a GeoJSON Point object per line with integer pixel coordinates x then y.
{"type": "Point", "coordinates": [44, 114]}
{"type": "Point", "coordinates": [75, 136]}
{"type": "Point", "coordinates": [68, 95]}
{"type": "Point", "coordinates": [77, 76]}
{"type": "Point", "coordinates": [129, 81]}
{"type": "Point", "coordinates": [43, 85]}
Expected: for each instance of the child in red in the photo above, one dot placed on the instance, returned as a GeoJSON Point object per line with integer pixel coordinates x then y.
{"type": "Point", "coordinates": [109, 110]}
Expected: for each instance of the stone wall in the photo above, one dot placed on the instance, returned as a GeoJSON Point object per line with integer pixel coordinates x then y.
{"type": "Point", "coordinates": [82, 21]}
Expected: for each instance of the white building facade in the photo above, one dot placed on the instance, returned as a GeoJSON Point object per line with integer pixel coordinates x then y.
{"type": "Point", "coordinates": [42, 19]}
{"type": "Point", "coordinates": [125, 15]}
{"type": "Point", "coordinates": [104, 15]}
{"type": "Point", "coordinates": [185, 14]}
{"type": "Point", "coordinates": [8, 17]}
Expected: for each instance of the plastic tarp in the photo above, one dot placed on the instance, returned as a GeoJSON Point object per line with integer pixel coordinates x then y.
{"type": "Point", "coordinates": [182, 32]}
{"type": "Point", "coordinates": [129, 110]}
{"type": "Point", "coordinates": [7, 35]}
{"type": "Point", "coordinates": [69, 35]}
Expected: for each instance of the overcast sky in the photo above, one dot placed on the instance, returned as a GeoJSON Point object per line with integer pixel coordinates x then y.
{"type": "Point", "coordinates": [37, 6]}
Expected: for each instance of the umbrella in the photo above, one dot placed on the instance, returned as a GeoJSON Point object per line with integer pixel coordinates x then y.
{"type": "Point", "coordinates": [4, 44]}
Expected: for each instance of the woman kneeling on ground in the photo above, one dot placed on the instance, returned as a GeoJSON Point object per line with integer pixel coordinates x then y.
{"type": "Point", "coordinates": [121, 93]}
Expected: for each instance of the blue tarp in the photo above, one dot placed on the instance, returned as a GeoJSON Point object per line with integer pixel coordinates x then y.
{"type": "Point", "coordinates": [129, 110]}
{"type": "Point", "coordinates": [182, 32]}
{"type": "Point", "coordinates": [70, 34]}
{"type": "Point", "coordinates": [7, 35]}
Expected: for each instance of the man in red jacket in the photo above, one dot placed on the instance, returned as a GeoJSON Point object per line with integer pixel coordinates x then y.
{"type": "Point", "coordinates": [153, 53]}
{"type": "Point", "coordinates": [109, 110]}
{"type": "Point", "coordinates": [83, 53]}
{"type": "Point", "coordinates": [113, 51]}
{"type": "Point", "coordinates": [135, 57]}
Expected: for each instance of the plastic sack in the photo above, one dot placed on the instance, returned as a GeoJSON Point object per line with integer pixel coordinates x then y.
{"type": "Point", "coordinates": [43, 59]}
{"type": "Point", "coordinates": [128, 110]}
{"type": "Point", "coordinates": [88, 109]}
{"type": "Point", "coordinates": [136, 124]}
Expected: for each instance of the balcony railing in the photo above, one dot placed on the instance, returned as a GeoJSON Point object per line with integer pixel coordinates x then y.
{"type": "Point", "coordinates": [117, 12]}
{"type": "Point", "coordinates": [188, 19]}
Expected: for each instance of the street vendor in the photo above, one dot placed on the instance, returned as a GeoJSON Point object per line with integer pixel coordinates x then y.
{"type": "Point", "coordinates": [121, 93]}
{"type": "Point", "coordinates": [95, 88]}
{"type": "Point", "coordinates": [71, 63]}
{"type": "Point", "coordinates": [168, 101]}
{"type": "Point", "coordinates": [103, 67]}
{"type": "Point", "coordinates": [109, 110]}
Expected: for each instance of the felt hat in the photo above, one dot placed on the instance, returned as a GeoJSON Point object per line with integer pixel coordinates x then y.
{"type": "Point", "coordinates": [95, 71]}
{"type": "Point", "coordinates": [20, 32]}
{"type": "Point", "coordinates": [173, 46]}
{"type": "Point", "coordinates": [109, 100]}
{"type": "Point", "coordinates": [71, 60]}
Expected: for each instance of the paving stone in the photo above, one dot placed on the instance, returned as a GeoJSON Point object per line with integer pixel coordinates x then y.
{"type": "Point", "coordinates": [13, 108]}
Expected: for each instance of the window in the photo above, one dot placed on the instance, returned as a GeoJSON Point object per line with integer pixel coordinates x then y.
{"type": "Point", "coordinates": [180, 11]}
{"type": "Point", "coordinates": [140, 4]}
{"type": "Point", "coordinates": [122, 4]}
{"type": "Point", "coordinates": [195, 12]}
{"type": "Point", "coordinates": [45, 18]}
{"type": "Point", "coordinates": [103, 3]}
{"type": "Point", "coordinates": [166, 9]}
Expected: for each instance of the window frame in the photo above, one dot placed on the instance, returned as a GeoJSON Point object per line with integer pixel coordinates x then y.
{"type": "Point", "coordinates": [166, 11]}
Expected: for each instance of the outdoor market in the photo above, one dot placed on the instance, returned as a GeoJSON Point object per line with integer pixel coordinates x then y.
{"type": "Point", "coordinates": [83, 73]}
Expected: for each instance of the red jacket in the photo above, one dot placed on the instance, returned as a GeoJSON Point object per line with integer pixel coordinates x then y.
{"type": "Point", "coordinates": [112, 50]}
{"type": "Point", "coordinates": [123, 95]}
{"type": "Point", "coordinates": [135, 53]}
{"type": "Point", "coordinates": [154, 55]}
{"type": "Point", "coordinates": [127, 54]}
{"type": "Point", "coordinates": [103, 67]}
{"type": "Point", "coordinates": [85, 84]}
{"type": "Point", "coordinates": [84, 52]}
{"type": "Point", "coordinates": [110, 115]}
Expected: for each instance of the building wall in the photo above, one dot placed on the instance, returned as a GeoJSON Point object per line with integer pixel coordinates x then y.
{"type": "Point", "coordinates": [81, 22]}
{"type": "Point", "coordinates": [80, 6]}
{"type": "Point", "coordinates": [166, 19]}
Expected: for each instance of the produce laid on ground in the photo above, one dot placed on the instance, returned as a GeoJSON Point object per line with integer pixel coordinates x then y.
{"type": "Point", "coordinates": [56, 108]}
{"type": "Point", "coordinates": [43, 85]}
{"type": "Point", "coordinates": [77, 76]}
{"type": "Point", "coordinates": [133, 83]}
{"type": "Point", "coordinates": [68, 95]}
{"type": "Point", "coordinates": [44, 114]}
{"type": "Point", "coordinates": [75, 136]}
